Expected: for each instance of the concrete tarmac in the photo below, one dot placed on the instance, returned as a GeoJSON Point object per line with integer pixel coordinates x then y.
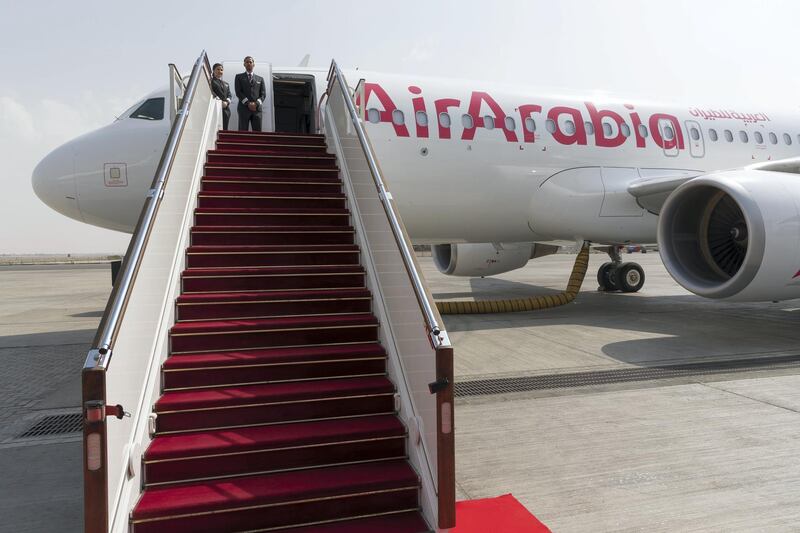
{"type": "Point", "coordinates": [710, 452]}
{"type": "Point", "coordinates": [716, 452]}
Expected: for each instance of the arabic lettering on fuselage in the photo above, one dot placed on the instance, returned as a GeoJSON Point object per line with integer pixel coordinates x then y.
{"type": "Point", "coordinates": [567, 125]}
{"type": "Point", "coordinates": [729, 114]}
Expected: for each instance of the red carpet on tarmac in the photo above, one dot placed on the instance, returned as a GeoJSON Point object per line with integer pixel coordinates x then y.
{"type": "Point", "coordinates": [503, 514]}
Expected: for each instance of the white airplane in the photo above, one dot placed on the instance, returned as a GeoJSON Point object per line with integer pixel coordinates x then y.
{"type": "Point", "coordinates": [493, 176]}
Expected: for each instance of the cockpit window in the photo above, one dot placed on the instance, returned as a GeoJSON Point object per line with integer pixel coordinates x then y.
{"type": "Point", "coordinates": [151, 109]}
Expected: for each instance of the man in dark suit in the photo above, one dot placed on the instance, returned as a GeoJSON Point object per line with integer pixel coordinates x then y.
{"type": "Point", "coordinates": [251, 92]}
{"type": "Point", "coordinates": [222, 90]}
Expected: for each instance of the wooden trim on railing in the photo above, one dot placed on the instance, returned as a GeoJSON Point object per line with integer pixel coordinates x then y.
{"type": "Point", "coordinates": [446, 449]}
{"type": "Point", "coordinates": [95, 476]}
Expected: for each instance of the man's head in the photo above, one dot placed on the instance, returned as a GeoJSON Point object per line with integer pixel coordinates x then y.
{"type": "Point", "coordinates": [249, 63]}
{"type": "Point", "coordinates": [218, 70]}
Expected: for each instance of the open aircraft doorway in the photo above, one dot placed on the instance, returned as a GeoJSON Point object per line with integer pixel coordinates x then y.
{"type": "Point", "coordinates": [294, 98]}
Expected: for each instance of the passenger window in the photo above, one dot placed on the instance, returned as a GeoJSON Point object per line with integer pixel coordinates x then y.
{"type": "Point", "coordinates": [488, 122]}
{"type": "Point", "coordinates": [152, 109]}
{"type": "Point", "coordinates": [788, 138]}
{"type": "Point", "coordinates": [589, 128]}
{"type": "Point", "coordinates": [625, 129]}
{"type": "Point", "coordinates": [444, 120]}
{"type": "Point", "coordinates": [467, 122]}
{"type": "Point", "coordinates": [729, 136]}
{"type": "Point", "coordinates": [607, 129]}
{"type": "Point", "coordinates": [511, 125]}
{"type": "Point", "coordinates": [669, 133]}
{"type": "Point", "coordinates": [759, 138]}
{"type": "Point", "coordinates": [530, 124]}
{"type": "Point", "coordinates": [422, 118]}
{"type": "Point", "coordinates": [773, 138]}
{"type": "Point", "coordinates": [569, 127]}
{"type": "Point", "coordinates": [550, 125]}
{"type": "Point", "coordinates": [712, 134]}
{"type": "Point", "coordinates": [373, 115]}
{"type": "Point", "coordinates": [643, 130]}
{"type": "Point", "coordinates": [743, 136]}
{"type": "Point", "coordinates": [398, 118]}
{"type": "Point", "coordinates": [694, 134]}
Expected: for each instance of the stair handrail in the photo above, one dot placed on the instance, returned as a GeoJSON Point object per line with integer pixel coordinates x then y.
{"type": "Point", "coordinates": [437, 334]}
{"type": "Point", "coordinates": [96, 367]}
{"type": "Point", "coordinates": [100, 355]}
{"type": "Point", "coordinates": [425, 406]}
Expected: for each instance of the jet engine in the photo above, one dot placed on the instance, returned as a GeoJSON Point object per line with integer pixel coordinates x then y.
{"type": "Point", "coordinates": [734, 235]}
{"type": "Point", "coordinates": [485, 259]}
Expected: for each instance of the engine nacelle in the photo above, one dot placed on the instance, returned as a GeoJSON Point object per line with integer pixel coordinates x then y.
{"type": "Point", "coordinates": [485, 259]}
{"type": "Point", "coordinates": [734, 235]}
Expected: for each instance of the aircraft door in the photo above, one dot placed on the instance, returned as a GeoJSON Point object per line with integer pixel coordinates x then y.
{"type": "Point", "coordinates": [697, 145]}
{"type": "Point", "coordinates": [268, 113]}
{"type": "Point", "coordinates": [667, 130]}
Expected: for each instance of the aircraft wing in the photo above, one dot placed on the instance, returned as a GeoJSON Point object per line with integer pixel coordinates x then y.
{"type": "Point", "coordinates": [651, 192]}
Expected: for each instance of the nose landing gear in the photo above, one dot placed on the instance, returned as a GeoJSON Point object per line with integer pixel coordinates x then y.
{"type": "Point", "coordinates": [619, 276]}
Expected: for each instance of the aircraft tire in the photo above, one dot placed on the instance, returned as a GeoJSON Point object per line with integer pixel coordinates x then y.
{"type": "Point", "coordinates": [606, 280]}
{"type": "Point", "coordinates": [629, 277]}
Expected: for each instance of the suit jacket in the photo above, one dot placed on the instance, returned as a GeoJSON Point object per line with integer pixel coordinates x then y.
{"type": "Point", "coordinates": [221, 89]}
{"type": "Point", "coordinates": [250, 92]}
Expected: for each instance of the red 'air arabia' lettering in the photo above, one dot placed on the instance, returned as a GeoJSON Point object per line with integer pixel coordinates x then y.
{"type": "Point", "coordinates": [576, 137]}
{"type": "Point", "coordinates": [525, 112]}
{"type": "Point", "coordinates": [479, 122]}
{"type": "Point", "coordinates": [388, 107]}
{"type": "Point", "coordinates": [597, 117]}
{"type": "Point", "coordinates": [443, 116]}
{"type": "Point", "coordinates": [677, 136]}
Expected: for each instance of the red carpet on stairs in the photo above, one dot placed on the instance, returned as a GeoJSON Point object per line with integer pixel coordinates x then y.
{"type": "Point", "coordinates": [503, 514]}
{"type": "Point", "coordinates": [276, 412]}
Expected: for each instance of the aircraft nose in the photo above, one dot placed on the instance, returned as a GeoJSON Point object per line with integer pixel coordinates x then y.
{"type": "Point", "coordinates": [53, 182]}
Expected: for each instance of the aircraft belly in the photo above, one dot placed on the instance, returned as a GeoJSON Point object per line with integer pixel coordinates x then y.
{"type": "Point", "coordinates": [575, 205]}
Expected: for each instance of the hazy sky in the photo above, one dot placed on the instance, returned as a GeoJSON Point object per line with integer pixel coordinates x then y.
{"type": "Point", "coordinates": [69, 67]}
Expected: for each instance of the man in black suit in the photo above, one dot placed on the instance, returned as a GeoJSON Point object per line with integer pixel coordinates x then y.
{"type": "Point", "coordinates": [222, 90]}
{"type": "Point", "coordinates": [251, 92]}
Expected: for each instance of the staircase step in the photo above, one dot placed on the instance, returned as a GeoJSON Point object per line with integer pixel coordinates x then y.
{"type": "Point", "coordinates": [272, 255]}
{"type": "Point", "coordinates": [272, 278]}
{"type": "Point", "coordinates": [261, 449]}
{"type": "Point", "coordinates": [272, 185]}
{"type": "Point", "coordinates": [269, 138]}
{"type": "Point", "coordinates": [253, 304]}
{"type": "Point", "coordinates": [258, 235]}
{"type": "Point", "coordinates": [225, 335]}
{"type": "Point", "coordinates": [216, 157]}
{"type": "Point", "coordinates": [272, 365]}
{"type": "Point", "coordinates": [273, 148]}
{"type": "Point", "coordinates": [250, 405]}
{"type": "Point", "coordinates": [219, 170]}
{"type": "Point", "coordinates": [285, 200]}
{"type": "Point", "coordinates": [263, 217]}
{"type": "Point", "coordinates": [279, 500]}
{"type": "Point", "coordinates": [403, 522]}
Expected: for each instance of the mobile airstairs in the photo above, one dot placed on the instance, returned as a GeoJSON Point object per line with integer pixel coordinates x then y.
{"type": "Point", "coordinates": [269, 359]}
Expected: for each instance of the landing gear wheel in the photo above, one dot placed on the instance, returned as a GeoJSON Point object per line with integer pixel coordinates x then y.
{"type": "Point", "coordinates": [606, 280]}
{"type": "Point", "coordinates": [629, 277]}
